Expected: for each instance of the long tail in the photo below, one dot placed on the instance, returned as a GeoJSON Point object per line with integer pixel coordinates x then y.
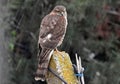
{"type": "Point", "coordinates": [43, 62]}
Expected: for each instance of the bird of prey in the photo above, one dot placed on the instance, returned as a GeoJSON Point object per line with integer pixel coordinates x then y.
{"type": "Point", "coordinates": [52, 31]}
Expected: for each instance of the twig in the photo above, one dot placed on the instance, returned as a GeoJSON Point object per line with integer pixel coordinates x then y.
{"type": "Point", "coordinates": [80, 70]}
{"type": "Point", "coordinates": [54, 73]}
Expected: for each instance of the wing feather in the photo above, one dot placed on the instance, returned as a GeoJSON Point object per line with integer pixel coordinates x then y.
{"type": "Point", "coordinates": [55, 25]}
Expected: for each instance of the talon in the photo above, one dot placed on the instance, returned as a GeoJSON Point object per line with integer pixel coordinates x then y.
{"type": "Point", "coordinates": [56, 50]}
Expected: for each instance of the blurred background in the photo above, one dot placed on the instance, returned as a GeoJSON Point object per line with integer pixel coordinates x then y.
{"type": "Point", "coordinates": [93, 33]}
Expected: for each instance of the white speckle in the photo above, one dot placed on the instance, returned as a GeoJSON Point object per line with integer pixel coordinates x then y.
{"type": "Point", "coordinates": [49, 36]}
{"type": "Point", "coordinates": [44, 41]}
{"type": "Point", "coordinates": [47, 27]}
{"type": "Point", "coordinates": [52, 27]}
{"type": "Point", "coordinates": [54, 22]}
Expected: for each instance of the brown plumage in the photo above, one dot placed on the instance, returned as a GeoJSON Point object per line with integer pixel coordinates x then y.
{"type": "Point", "coordinates": [52, 32]}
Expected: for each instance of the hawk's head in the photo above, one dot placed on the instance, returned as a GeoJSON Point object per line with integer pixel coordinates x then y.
{"type": "Point", "coordinates": [60, 10]}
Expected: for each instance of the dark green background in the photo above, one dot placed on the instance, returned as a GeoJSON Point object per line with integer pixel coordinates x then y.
{"type": "Point", "coordinates": [100, 54]}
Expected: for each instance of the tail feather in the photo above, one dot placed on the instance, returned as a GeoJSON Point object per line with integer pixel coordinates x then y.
{"type": "Point", "coordinates": [43, 63]}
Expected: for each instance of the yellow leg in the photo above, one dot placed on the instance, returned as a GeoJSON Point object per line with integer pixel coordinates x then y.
{"type": "Point", "coordinates": [58, 52]}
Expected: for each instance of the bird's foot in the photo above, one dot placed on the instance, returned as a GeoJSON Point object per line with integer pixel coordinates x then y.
{"type": "Point", "coordinates": [58, 52]}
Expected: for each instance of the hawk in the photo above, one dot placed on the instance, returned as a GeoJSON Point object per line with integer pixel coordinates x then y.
{"type": "Point", "coordinates": [52, 32]}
